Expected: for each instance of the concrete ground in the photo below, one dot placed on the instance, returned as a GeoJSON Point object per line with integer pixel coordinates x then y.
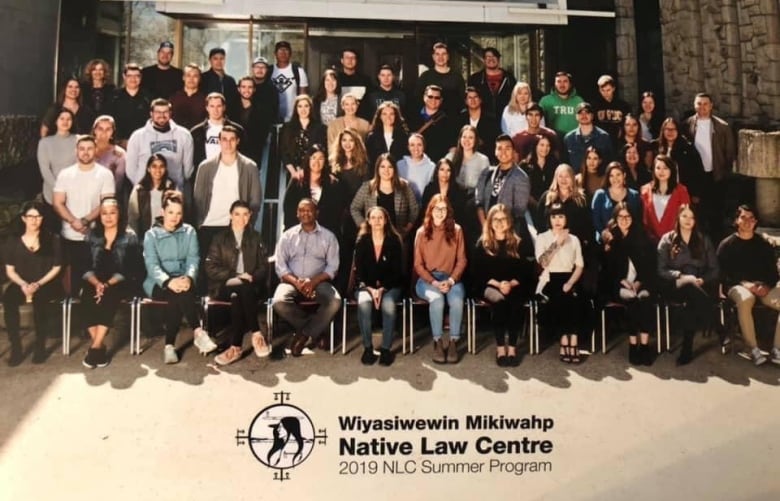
{"type": "Point", "coordinates": [141, 430]}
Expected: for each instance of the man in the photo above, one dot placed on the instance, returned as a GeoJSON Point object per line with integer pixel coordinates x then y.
{"type": "Point", "coordinates": [255, 119]}
{"type": "Point", "coordinates": [713, 139]}
{"type": "Point", "coordinates": [560, 105]}
{"type": "Point", "coordinates": [449, 80]}
{"type": "Point", "coordinates": [387, 91]}
{"type": "Point", "coordinates": [189, 104]}
{"type": "Point", "coordinates": [307, 259]}
{"type": "Point", "coordinates": [585, 135]}
{"type": "Point", "coordinates": [434, 124]}
{"type": "Point", "coordinates": [352, 81]}
{"type": "Point", "coordinates": [748, 272]}
{"type": "Point", "coordinates": [493, 83]}
{"type": "Point", "coordinates": [77, 195]}
{"type": "Point", "coordinates": [205, 135]}
{"type": "Point", "coordinates": [221, 180]}
{"type": "Point", "coordinates": [289, 79]}
{"type": "Point", "coordinates": [216, 80]}
{"type": "Point", "coordinates": [486, 123]}
{"type": "Point", "coordinates": [129, 106]}
{"type": "Point", "coordinates": [610, 110]}
{"type": "Point", "coordinates": [525, 141]}
{"type": "Point", "coordinates": [162, 79]}
{"type": "Point", "coordinates": [265, 98]}
{"type": "Point", "coordinates": [161, 135]}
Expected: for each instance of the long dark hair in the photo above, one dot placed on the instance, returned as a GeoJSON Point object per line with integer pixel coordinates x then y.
{"type": "Point", "coordinates": [61, 93]}
{"type": "Point", "coordinates": [390, 231]}
{"type": "Point", "coordinates": [696, 243]}
{"type": "Point", "coordinates": [99, 230]}
{"type": "Point", "coordinates": [146, 181]}
{"type": "Point", "coordinates": [44, 235]}
{"type": "Point", "coordinates": [671, 184]}
{"type": "Point", "coordinates": [325, 176]}
{"type": "Point", "coordinates": [457, 157]}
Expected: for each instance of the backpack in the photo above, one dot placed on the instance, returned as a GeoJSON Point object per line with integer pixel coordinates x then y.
{"type": "Point", "coordinates": [296, 74]}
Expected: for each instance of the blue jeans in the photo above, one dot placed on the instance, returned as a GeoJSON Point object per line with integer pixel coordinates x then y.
{"type": "Point", "coordinates": [435, 300]}
{"type": "Point", "coordinates": [388, 307]}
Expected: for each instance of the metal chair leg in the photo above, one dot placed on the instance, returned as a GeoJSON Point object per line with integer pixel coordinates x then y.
{"type": "Point", "coordinates": [343, 326]}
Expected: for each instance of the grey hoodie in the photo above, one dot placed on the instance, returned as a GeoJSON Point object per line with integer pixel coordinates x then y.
{"type": "Point", "coordinates": [175, 145]}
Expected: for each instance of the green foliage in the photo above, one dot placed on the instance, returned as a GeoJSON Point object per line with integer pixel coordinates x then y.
{"type": "Point", "coordinates": [19, 136]}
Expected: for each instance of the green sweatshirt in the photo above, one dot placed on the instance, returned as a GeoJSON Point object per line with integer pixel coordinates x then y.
{"type": "Point", "coordinates": [560, 113]}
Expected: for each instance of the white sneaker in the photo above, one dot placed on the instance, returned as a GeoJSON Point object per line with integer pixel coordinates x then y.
{"type": "Point", "coordinates": [775, 355]}
{"type": "Point", "coordinates": [169, 355]}
{"type": "Point", "coordinates": [203, 342]}
{"type": "Point", "coordinates": [757, 357]}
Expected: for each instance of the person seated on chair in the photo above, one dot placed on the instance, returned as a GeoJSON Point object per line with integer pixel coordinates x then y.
{"type": "Point", "coordinates": [628, 277]}
{"type": "Point", "coordinates": [504, 278]}
{"type": "Point", "coordinates": [307, 259]}
{"type": "Point", "coordinates": [171, 257]}
{"type": "Point", "coordinates": [560, 255]}
{"type": "Point", "coordinates": [236, 267]}
{"type": "Point", "coordinates": [688, 269]}
{"type": "Point", "coordinates": [439, 262]}
{"type": "Point", "coordinates": [378, 275]}
{"type": "Point", "coordinates": [33, 260]}
{"type": "Point", "coordinates": [114, 272]}
{"type": "Point", "coordinates": [748, 272]}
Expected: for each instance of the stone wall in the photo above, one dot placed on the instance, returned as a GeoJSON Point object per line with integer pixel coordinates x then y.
{"type": "Point", "coordinates": [625, 45]}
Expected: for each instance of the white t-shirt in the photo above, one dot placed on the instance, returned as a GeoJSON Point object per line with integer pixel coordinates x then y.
{"type": "Point", "coordinates": [703, 142]}
{"type": "Point", "coordinates": [212, 139]}
{"type": "Point", "coordinates": [224, 191]}
{"type": "Point", "coordinates": [284, 82]}
{"type": "Point", "coordinates": [566, 257]}
{"type": "Point", "coordinates": [83, 190]}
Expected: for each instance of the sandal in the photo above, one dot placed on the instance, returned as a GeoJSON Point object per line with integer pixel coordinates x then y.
{"type": "Point", "coordinates": [574, 353]}
{"type": "Point", "coordinates": [564, 356]}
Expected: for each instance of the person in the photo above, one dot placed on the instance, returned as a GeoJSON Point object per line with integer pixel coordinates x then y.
{"type": "Point", "coordinates": [162, 79]}
{"type": "Point", "coordinates": [320, 185]}
{"type": "Point", "coordinates": [388, 133]}
{"type": "Point", "coordinates": [416, 167]}
{"type": "Point", "coordinates": [586, 134]}
{"type": "Point", "coordinates": [266, 98]}
{"type": "Point", "coordinates": [145, 202]}
{"type": "Point", "coordinates": [98, 90]}
{"type": "Point", "coordinates": [349, 162]}
{"type": "Point", "coordinates": [378, 279]}
{"type": "Point", "coordinates": [443, 183]}
{"type": "Point", "coordinates": [629, 278]}
{"type": "Point", "coordinates": [326, 101]}
{"type": "Point", "coordinates": [298, 134]}
{"type": "Point", "coordinates": [612, 192]}
{"type": "Point", "coordinates": [237, 267]}
{"type": "Point", "coordinates": [215, 79]}
{"type": "Point", "coordinates": [352, 80]}
{"type": "Point", "coordinates": [289, 79]}
{"type": "Point", "coordinates": [33, 260]}
{"type": "Point", "coordinates": [610, 111]}
{"type": "Point", "coordinates": [560, 105]}
{"type": "Point", "coordinates": [161, 135]}
{"type": "Point", "coordinates": [525, 140]}
{"type": "Point", "coordinates": [56, 152]}
{"type": "Point", "coordinates": [255, 119]}
{"type": "Point", "coordinates": [188, 104]}
{"type": "Point", "coordinates": [77, 194]}
{"type": "Point", "coordinates": [630, 133]}
{"type": "Point", "coordinates": [171, 257]}
{"type": "Point", "coordinates": [205, 135]}
{"type": "Point", "coordinates": [449, 81]}
{"type": "Point", "coordinates": [689, 165]}
{"type": "Point", "coordinates": [649, 117]}
{"type": "Point", "coordinates": [467, 162]}
{"type": "Point", "coordinates": [662, 198]}
{"type": "Point", "coordinates": [559, 254]}
{"type": "Point", "coordinates": [486, 124]}
{"type": "Point", "coordinates": [387, 90]}
{"type": "Point", "coordinates": [111, 155]}
{"type": "Point", "coordinates": [688, 269]}
{"type": "Point", "coordinates": [591, 175]}
{"type": "Point", "coordinates": [307, 258]}
{"type": "Point", "coordinates": [439, 263]}
{"type": "Point", "coordinates": [129, 105]}
{"type": "Point", "coordinates": [637, 175]}
{"type": "Point", "coordinates": [493, 83]}
{"type": "Point", "coordinates": [504, 278]}
{"type": "Point", "coordinates": [69, 98]}
{"type": "Point", "coordinates": [748, 274]}
{"type": "Point", "coordinates": [513, 119]}
{"type": "Point", "coordinates": [349, 119]}
{"type": "Point", "coordinates": [540, 167]}
{"type": "Point", "coordinates": [434, 123]}
{"type": "Point", "coordinates": [114, 273]}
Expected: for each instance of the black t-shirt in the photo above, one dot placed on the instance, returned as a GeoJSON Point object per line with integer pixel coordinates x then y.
{"type": "Point", "coordinates": [32, 266]}
{"type": "Point", "coordinates": [161, 83]}
{"type": "Point", "coordinates": [387, 202]}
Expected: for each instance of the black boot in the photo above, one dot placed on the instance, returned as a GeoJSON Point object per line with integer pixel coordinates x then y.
{"type": "Point", "coordinates": [686, 353]}
{"type": "Point", "coordinates": [633, 354]}
{"type": "Point", "coordinates": [645, 354]}
{"type": "Point", "coordinates": [16, 356]}
{"type": "Point", "coordinates": [39, 348]}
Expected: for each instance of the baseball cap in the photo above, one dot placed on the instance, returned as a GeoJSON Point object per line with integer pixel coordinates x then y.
{"type": "Point", "coordinates": [281, 44]}
{"type": "Point", "coordinates": [216, 50]}
{"type": "Point", "coordinates": [260, 60]}
{"type": "Point", "coordinates": [165, 45]}
{"type": "Point", "coordinates": [584, 106]}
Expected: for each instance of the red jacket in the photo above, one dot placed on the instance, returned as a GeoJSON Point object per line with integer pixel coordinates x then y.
{"type": "Point", "coordinates": [655, 228]}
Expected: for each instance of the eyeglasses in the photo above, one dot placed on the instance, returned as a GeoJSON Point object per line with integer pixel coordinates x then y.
{"type": "Point", "coordinates": [500, 219]}
{"type": "Point", "coordinates": [440, 209]}
{"type": "Point", "coordinates": [670, 128]}
{"type": "Point", "coordinates": [624, 216]}
{"type": "Point", "coordinates": [33, 216]}
{"type": "Point", "coordinates": [435, 98]}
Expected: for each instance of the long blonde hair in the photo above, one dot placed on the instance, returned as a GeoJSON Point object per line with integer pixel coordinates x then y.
{"type": "Point", "coordinates": [553, 194]}
{"type": "Point", "coordinates": [488, 239]}
{"type": "Point", "coordinates": [338, 157]}
{"type": "Point", "coordinates": [513, 107]}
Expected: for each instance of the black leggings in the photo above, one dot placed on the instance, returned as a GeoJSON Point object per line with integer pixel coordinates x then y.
{"type": "Point", "coordinates": [508, 313]}
{"type": "Point", "coordinates": [243, 310]}
{"type": "Point", "coordinates": [181, 304]}
{"type": "Point", "coordinates": [104, 312]}
{"type": "Point", "coordinates": [43, 311]}
{"type": "Point", "coordinates": [699, 310]}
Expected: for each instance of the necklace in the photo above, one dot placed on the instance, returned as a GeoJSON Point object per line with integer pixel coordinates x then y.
{"type": "Point", "coordinates": [33, 244]}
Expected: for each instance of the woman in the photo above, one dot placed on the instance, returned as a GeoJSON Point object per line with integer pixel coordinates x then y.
{"type": "Point", "coordinates": [685, 155]}
{"type": "Point", "coordinates": [637, 175]}
{"type": "Point", "coordinates": [416, 167]}
{"type": "Point", "coordinates": [389, 191]}
{"type": "Point", "coordinates": [33, 260]}
{"type": "Point", "coordinates": [113, 274]}
{"type": "Point", "coordinates": [613, 192]}
{"type": "Point", "coordinates": [513, 117]}
{"type": "Point", "coordinates": [540, 167]}
{"type": "Point", "coordinates": [649, 118]}
{"type": "Point", "coordinates": [298, 134]}
{"type": "Point", "coordinates": [439, 262]}
{"type": "Point", "coordinates": [349, 162]}
{"type": "Point", "coordinates": [662, 198]}
{"type": "Point", "coordinates": [171, 258]}
{"type": "Point", "coordinates": [319, 185]}
{"type": "Point", "coordinates": [388, 133]}
{"type": "Point", "coordinates": [467, 162]}
{"type": "Point", "coordinates": [98, 88]}
{"type": "Point", "coordinates": [56, 152]}
{"type": "Point", "coordinates": [504, 278]}
{"type": "Point", "coordinates": [688, 268]}
{"type": "Point", "coordinates": [629, 276]}
{"type": "Point", "coordinates": [349, 119]}
{"type": "Point", "coordinates": [559, 254]}
{"type": "Point", "coordinates": [378, 275]}
{"type": "Point", "coordinates": [236, 267]}
{"type": "Point", "coordinates": [443, 183]}
{"type": "Point", "coordinates": [70, 99]}
{"type": "Point", "coordinates": [109, 154]}
{"type": "Point", "coordinates": [145, 201]}
{"type": "Point", "coordinates": [564, 191]}
{"type": "Point", "coordinates": [631, 133]}
{"type": "Point", "coordinates": [326, 102]}
{"type": "Point", "coordinates": [591, 176]}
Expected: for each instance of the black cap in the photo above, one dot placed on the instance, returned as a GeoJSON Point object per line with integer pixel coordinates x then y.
{"type": "Point", "coordinates": [165, 45]}
{"type": "Point", "coordinates": [282, 44]}
{"type": "Point", "coordinates": [216, 50]}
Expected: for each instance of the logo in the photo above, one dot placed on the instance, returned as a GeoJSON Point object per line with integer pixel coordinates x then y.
{"type": "Point", "coordinates": [282, 83]}
{"type": "Point", "coordinates": [281, 436]}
